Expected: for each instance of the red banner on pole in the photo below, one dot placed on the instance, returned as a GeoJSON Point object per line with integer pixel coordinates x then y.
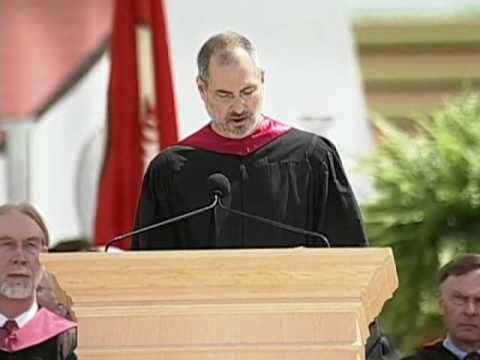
{"type": "Point", "coordinates": [132, 115]}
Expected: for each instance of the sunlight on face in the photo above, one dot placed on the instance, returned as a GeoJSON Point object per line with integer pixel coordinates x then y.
{"type": "Point", "coordinates": [21, 242]}
{"type": "Point", "coordinates": [233, 94]}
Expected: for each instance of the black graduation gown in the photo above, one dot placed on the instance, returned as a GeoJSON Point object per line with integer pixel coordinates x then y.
{"type": "Point", "coordinates": [296, 179]}
{"type": "Point", "coordinates": [433, 352]}
{"type": "Point", "coordinates": [60, 347]}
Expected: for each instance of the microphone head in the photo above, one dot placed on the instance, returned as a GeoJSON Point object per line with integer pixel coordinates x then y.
{"type": "Point", "coordinates": [218, 184]}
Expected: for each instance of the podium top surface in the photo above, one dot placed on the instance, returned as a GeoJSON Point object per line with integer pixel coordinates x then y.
{"type": "Point", "coordinates": [365, 275]}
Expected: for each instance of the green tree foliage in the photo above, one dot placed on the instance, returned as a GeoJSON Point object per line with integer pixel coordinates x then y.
{"type": "Point", "coordinates": [427, 209]}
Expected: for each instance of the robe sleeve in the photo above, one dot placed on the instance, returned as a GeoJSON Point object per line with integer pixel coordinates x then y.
{"type": "Point", "coordinates": [67, 344]}
{"type": "Point", "coordinates": [337, 212]}
{"type": "Point", "coordinates": [153, 207]}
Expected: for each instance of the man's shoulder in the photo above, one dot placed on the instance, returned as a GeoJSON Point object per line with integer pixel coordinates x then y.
{"type": "Point", "coordinates": [170, 155]}
{"type": "Point", "coordinates": [318, 148]}
{"type": "Point", "coordinates": [67, 343]}
{"type": "Point", "coordinates": [432, 351]}
{"type": "Point", "coordinates": [62, 346]}
{"type": "Point", "coordinates": [59, 347]}
{"type": "Point", "coordinates": [174, 150]}
{"type": "Point", "coordinates": [314, 142]}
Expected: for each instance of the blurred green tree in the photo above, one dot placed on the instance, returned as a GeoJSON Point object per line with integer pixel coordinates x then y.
{"type": "Point", "coordinates": [427, 208]}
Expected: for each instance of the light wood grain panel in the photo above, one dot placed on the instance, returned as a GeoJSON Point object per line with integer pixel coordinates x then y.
{"type": "Point", "coordinates": [229, 304]}
{"type": "Point", "coordinates": [236, 353]}
{"type": "Point", "coordinates": [224, 325]}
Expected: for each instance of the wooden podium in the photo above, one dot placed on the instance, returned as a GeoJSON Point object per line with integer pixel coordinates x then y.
{"type": "Point", "coordinates": [268, 304]}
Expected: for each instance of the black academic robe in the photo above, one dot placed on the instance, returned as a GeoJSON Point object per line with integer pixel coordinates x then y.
{"type": "Point", "coordinates": [433, 352]}
{"type": "Point", "coordinates": [296, 179]}
{"type": "Point", "coordinates": [60, 347]}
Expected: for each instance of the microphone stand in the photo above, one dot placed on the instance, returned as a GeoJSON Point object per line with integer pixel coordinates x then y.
{"type": "Point", "coordinates": [275, 223]}
{"type": "Point", "coordinates": [216, 201]}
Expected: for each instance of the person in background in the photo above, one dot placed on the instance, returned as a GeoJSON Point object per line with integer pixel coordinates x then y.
{"type": "Point", "coordinates": [459, 292]}
{"type": "Point", "coordinates": [27, 329]}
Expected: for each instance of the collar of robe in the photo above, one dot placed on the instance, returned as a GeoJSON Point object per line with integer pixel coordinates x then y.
{"type": "Point", "coordinates": [44, 326]}
{"type": "Point", "coordinates": [207, 139]}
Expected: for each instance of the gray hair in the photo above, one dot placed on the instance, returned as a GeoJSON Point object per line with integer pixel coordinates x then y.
{"type": "Point", "coordinates": [32, 213]}
{"type": "Point", "coordinates": [222, 43]}
{"type": "Point", "coordinates": [459, 266]}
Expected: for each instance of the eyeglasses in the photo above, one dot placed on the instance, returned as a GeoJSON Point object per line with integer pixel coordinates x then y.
{"type": "Point", "coordinates": [228, 97]}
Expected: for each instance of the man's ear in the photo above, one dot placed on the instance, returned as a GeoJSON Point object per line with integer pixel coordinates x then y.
{"type": "Point", "coordinates": [202, 88]}
{"type": "Point", "coordinates": [441, 304]}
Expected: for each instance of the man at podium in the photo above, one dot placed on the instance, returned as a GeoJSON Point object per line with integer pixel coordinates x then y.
{"type": "Point", "coordinates": [28, 330]}
{"type": "Point", "coordinates": [273, 171]}
{"type": "Point", "coordinates": [278, 186]}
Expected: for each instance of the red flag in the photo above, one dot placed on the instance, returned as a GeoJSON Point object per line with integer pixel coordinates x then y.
{"type": "Point", "coordinates": [131, 117]}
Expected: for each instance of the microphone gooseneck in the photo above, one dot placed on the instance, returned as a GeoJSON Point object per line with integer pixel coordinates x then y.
{"type": "Point", "coordinates": [219, 186]}
{"type": "Point", "coordinates": [278, 224]}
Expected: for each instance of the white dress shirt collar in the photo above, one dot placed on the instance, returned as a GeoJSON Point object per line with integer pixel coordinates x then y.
{"type": "Point", "coordinates": [23, 318]}
{"type": "Point", "coordinates": [454, 349]}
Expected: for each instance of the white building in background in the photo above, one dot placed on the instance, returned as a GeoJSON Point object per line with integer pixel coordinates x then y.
{"type": "Point", "coordinates": [380, 9]}
{"type": "Point", "coordinates": [312, 82]}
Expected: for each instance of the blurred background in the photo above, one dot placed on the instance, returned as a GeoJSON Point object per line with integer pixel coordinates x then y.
{"type": "Point", "coordinates": [393, 83]}
{"type": "Point", "coordinates": [414, 54]}
{"type": "Point", "coordinates": [420, 63]}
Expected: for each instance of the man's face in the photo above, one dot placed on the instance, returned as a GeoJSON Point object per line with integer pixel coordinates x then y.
{"type": "Point", "coordinates": [460, 303]}
{"type": "Point", "coordinates": [233, 94]}
{"type": "Point", "coordinates": [21, 242]}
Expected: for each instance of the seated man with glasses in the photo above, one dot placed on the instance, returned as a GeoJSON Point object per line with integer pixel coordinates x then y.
{"type": "Point", "coordinates": [460, 304]}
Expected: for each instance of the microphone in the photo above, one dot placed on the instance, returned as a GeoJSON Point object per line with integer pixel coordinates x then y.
{"type": "Point", "coordinates": [219, 187]}
{"type": "Point", "coordinates": [222, 187]}
{"type": "Point", "coordinates": [218, 184]}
